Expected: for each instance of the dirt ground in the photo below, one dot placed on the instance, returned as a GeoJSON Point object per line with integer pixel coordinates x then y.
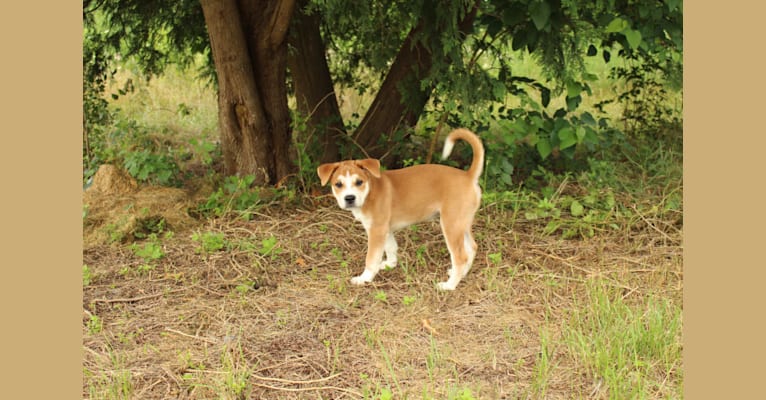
{"type": "Point", "coordinates": [246, 322]}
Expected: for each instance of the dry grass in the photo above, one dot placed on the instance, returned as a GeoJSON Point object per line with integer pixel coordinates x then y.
{"type": "Point", "coordinates": [237, 323]}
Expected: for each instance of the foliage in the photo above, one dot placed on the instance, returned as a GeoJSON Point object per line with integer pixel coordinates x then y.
{"type": "Point", "coordinates": [645, 117]}
{"type": "Point", "coordinates": [150, 251]}
{"type": "Point", "coordinates": [528, 120]}
{"type": "Point", "coordinates": [270, 248]}
{"type": "Point", "coordinates": [96, 115]}
{"type": "Point", "coordinates": [154, 33]}
{"type": "Point", "coordinates": [235, 194]}
{"type": "Point", "coordinates": [210, 242]}
{"type": "Point", "coordinates": [87, 275]}
{"type": "Point", "coordinates": [147, 166]}
{"type": "Point", "coordinates": [145, 156]}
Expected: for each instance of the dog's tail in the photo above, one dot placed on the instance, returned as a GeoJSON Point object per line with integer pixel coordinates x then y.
{"type": "Point", "coordinates": [478, 150]}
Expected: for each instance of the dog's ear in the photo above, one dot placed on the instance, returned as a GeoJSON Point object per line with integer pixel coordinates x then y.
{"type": "Point", "coordinates": [370, 164]}
{"type": "Point", "coordinates": [325, 171]}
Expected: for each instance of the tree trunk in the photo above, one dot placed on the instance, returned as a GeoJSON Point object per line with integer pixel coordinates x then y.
{"type": "Point", "coordinates": [314, 92]}
{"type": "Point", "coordinates": [249, 55]}
{"type": "Point", "coordinates": [390, 111]}
{"type": "Point", "coordinates": [267, 23]}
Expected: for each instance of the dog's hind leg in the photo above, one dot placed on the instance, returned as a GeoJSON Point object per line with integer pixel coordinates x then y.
{"type": "Point", "coordinates": [390, 249]}
{"type": "Point", "coordinates": [470, 248]}
{"type": "Point", "coordinates": [456, 236]}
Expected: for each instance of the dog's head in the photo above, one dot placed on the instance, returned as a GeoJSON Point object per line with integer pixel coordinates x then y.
{"type": "Point", "coordinates": [350, 180]}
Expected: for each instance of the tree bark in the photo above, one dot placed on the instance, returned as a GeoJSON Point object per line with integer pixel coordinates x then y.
{"type": "Point", "coordinates": [390, 111]}
{"type": "Point", "coordinates": [266, 25]}
{"type": "Point", "coordinates": [314, 92]}
{"type": "Point", "coordinates": [249, 55]}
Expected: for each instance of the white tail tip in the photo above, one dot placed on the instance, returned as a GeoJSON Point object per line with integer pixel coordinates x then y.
{"type": "Point", "coordinates": [448, 145]}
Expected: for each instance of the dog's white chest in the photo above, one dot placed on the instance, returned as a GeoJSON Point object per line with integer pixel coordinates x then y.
{"type": "Point", "coordinates": [366, 221]}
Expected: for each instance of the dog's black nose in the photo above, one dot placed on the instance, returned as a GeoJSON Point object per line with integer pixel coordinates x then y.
{"type": "Point", "coordinates": [350, 199]}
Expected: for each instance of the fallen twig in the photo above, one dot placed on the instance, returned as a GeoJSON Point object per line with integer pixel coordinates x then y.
{"type": "Point", "coordinates": [308, 389]}
{"type": "Point", "coordinates": [204, 339]}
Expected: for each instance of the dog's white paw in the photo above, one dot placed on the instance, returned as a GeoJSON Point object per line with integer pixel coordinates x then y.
{"type": "Point", "coordinates": [358, 280]}
{"type": "Point", "coordinates": [387, 265]}
{"type": "Point", "coordinates": [365, 277]}
{"type": "Point", "coordinates": [446, 285]}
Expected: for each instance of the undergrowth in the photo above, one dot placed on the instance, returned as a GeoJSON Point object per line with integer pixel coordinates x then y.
{"type": "Point", "coordinates": [576, 291]}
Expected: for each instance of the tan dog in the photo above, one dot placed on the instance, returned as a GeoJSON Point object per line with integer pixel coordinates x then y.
{"type": "Point", "coordinates": [390, 200]}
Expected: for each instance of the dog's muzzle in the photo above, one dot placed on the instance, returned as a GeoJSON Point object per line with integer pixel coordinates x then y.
{"type": "Point", "coordinates": [350, 200]}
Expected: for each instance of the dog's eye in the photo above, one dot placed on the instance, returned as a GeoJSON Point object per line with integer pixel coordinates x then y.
{"type": "Point", "coordinates": [359, 182]}
{"type": "Point", "coordinates": [338, 185]}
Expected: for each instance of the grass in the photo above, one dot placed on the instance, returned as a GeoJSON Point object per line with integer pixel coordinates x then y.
{"type": "Point", "coordinates": [558, 318]}
{"type": "Point", "coordinates": [575, 292]}
{"type": "Point", "coordinates": [173, 102]}
{"type": "Point", "coordinates": [633, 350]}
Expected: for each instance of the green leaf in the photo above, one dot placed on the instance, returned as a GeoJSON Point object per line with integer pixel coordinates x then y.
{"type": "Point", "coordinates": [519, 40]}
{"type": "Point", "coordinates": [499, 90]}
{"type": "Point", "coordinates": [544, 148]}
{"type": "Point", "coordinates": [532, 38]}
{"type": "Point", "coordinates": [580, 134]}
{"type": "Point", "coordinates": [513, 14]}
{"type": "Point", "coordinates": [540, 12]}
{"type": "Point", "coordinates": [633, 37]}
{"type": "Point", "coordinates": [588, 118]}
{"type": "Point", "coordinates": [576, 209]}
{"type": "Point", "coordinates": [567, 137]}
{"type": "Point", "coordinates": [545, 96]}
{"type": "Point", "coordinates": [617, 25]}
{"type": "Point", "coordinates": [573, 102]}
{"type": "Point", "coordinates": [573, 89]}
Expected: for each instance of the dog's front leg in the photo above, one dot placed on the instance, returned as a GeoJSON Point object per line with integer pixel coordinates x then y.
{"type": "Point", "coordinates": [376, 239]}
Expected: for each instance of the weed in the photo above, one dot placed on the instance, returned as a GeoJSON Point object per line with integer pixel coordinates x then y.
{"type": "Point", "coordinates": [147, 166]}
{"type": "Point", "coordinates": [371, 336]}
{"type": "Point", "coordinates": [269, 247]}
{"type": "Point", "coordinates": [433, 358]}
{"type": "Point", "coordinates": [145, 268]}
{"type": "Point", "coordinates": [461, 394]}
{"type": "Point", "coordinates": [333, 354]}
{"type": "Point", "coordinates": [87, 275]}
{"type": "Point", "coordinates": [204, 149]}
{"type": "Point", "coordinates": [389, 364]}
{"type": "Point", "coordinates": [543, 366]}
{"type": "Point", "coordinates": [281, 319]}
{"type": "Point", "coordinates": [235, 372]}
{"type": "Point", "coordinates": [235, 194]}
{"type": "Point", "coordinates": [210, 242]}
{"type": "Point", "coordinates": [95, 324]}
{"type": "Point", "coordinates": [149, 226]}
{"type": "Point", "coordinates": [116, 234]}
{"type": "Point", "coordinates": [244, 287]}
{"type": "Point", "coordinates": [381, 296]}
{"type": "Point", "coordinates": [409, 300]}
{"type": "Point", "coordinates": [495, 258]}
{"type": "Point", "coordinates": [339, 285]}
{"type": "Point", "coordinates": [150, 251]}
{"type": "Point", "coordinates": [187, 361]}
{"type": "Point", "coordinates": [375, 392]}
{"type": "Point", "coordinates": [114, 385]}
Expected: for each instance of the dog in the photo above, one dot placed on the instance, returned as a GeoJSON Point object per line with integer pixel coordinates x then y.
{"type": "Point", "coordinates": [386, 201]}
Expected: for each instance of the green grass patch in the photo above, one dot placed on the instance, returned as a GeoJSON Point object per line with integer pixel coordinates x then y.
{"type": "Point", "coordinates": [634, 349]}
